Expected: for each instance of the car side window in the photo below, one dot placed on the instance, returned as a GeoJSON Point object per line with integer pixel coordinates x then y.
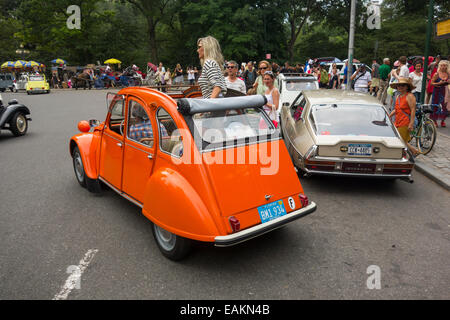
{"type": "Point", "coordinates": [117, 118]}
{"type": "Point", "coordinates": [170, 140]}
{"type": "Point", "coordinates": [139, 124]}
{"type": "Point", "coordinates": [298, 111]}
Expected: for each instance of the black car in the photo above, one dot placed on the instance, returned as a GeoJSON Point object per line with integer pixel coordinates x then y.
{"type": "Point", "coordinates": [14, 117]}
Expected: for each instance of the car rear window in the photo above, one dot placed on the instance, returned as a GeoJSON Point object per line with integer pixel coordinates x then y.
{"type": "Point", "coordinates": [301, 85]}
{"type": "Point", "coordinates": [36, 78]}
{"type": "Point", "coordinates": [352, 120]}
{"type": "Point", "coordinates": [219, 129]}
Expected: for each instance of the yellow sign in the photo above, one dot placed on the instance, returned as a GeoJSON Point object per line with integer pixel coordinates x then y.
{"type": "Point", "coordinates": [443, 29]}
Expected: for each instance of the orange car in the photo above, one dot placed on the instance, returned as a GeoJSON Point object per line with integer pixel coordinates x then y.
{"type": "Point", "coordinates": [207, 170]}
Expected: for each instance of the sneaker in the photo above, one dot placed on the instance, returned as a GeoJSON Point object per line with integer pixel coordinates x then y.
{"type": "Point", "coordinates": [443, 125]}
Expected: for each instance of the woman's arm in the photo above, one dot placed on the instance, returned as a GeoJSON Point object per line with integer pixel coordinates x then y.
{"type": "Point", "coordinates": [276, 99]}
{"type": "Point", "coordinates": [412, 106]}
{"type": "Point", "coordinates": [433, 80]}
{"type": "Point", "coordinates": [216, 92]}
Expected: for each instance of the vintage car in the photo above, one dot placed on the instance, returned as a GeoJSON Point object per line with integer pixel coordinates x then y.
{"type": "Point", "coordinates": [37, 84]}
{"type": "Point", "coordinates": [335, 132]}
{"type": "Point", "coordinates": [14, 117]}
{"type": "Point", "coordinates": [6, 82]}
{"type": "Point", "coordinates": [214, 170]}
{"type": "Point", "coordinates": [291, 84]}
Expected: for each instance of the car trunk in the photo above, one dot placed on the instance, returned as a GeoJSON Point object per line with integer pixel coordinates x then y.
{"type": "Point", "coordinates": [360, 147]}
{"type": "Point", "coordinates": [241, 187]}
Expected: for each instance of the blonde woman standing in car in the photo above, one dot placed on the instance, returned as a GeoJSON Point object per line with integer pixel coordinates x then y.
{"type": "Point", "coordinates": [211, 81]}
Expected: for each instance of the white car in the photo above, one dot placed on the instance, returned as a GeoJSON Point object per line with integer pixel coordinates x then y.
{"type": "Point", "coordinates": [336, 132]}
{"type": "Point", "coordinates": [21, 82]}
{"type": "Point", "coordinates": [292, 84]}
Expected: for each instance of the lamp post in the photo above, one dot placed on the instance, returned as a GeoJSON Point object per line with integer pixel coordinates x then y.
{"type": "Point", "coordinates": [427, 51]}
{"type": "Point", "coordinates": [351, 45]}
{"type": "Point", "coordinates": [22, 52]}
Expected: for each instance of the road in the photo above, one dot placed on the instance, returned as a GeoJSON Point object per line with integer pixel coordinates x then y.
{"type": "Point", "coordinates": [49, 223]}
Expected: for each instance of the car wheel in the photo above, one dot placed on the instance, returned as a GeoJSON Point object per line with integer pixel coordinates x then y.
{"type": "Point", "coordinates": [171, 246]}
{"type": "Point", "coordinates": [11, 89]}
{"type": "Point", "coordinates": [2, 90]}
{"type": "Point", "coordinates": [28, 92]}
{"type": "Point", "coordinates": [93, 185]}
{"type": "Point", "coordinates": [18, 124]}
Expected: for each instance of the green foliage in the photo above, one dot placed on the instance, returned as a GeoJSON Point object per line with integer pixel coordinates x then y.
{"type": "Point", "coordinates": [138, 31]}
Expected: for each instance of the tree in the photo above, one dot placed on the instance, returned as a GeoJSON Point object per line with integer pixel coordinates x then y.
{"type": "Point", "coordinates": [154, 11]}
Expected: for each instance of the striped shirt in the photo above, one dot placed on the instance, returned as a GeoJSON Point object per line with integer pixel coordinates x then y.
{"type": "Point", "coordinates": [211, 77]}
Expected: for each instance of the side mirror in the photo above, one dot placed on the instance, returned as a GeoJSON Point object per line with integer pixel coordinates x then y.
{"type": "Point", "coordinates": [84, 126]}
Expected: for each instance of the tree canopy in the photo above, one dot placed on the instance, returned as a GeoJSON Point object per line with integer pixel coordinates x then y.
{"type": "Point", "coordinates": [139, 31]}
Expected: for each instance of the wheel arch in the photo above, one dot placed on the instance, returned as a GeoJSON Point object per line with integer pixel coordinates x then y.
{"type": "Point", "coordinates": [172, 203]}
{"type": "Point", "coordinates": [84, 142]}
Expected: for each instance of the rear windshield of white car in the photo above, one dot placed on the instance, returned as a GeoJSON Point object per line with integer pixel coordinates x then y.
{"type": "Point", "coordinates": [352, 120]}
{"type": "Point", "coordinates": [36, 78]}
{"type": "Point", "coordinates": [300, 85]}
{"type": "Point", "coordinates": [220, 129]}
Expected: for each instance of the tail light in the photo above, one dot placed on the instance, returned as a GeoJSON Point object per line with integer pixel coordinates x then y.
{"type": "Point", "coordinates": [235, 224]}
{"type": "Point", "coordinates": [304, 200]}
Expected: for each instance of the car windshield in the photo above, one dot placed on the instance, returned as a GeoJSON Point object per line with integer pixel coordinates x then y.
{"type": "Point", "coordinates": [352, 120]}
{"type": "Point", "coordinates": [36, 78]}
{"type": "Point", "coordinates": [300, 85]}
{"type": "Point", "coordinates": [222, 128]}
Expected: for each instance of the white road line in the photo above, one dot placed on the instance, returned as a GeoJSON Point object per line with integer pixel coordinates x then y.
{"type": "Point", "coordinates": [73, 281]}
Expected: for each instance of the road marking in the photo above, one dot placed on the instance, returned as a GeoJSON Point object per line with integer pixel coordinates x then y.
{"type": "Point", "coordinates": [74, 279]}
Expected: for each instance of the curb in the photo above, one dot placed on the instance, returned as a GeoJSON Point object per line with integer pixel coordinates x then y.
{"type": "Point", "coordinates": [432, 174]}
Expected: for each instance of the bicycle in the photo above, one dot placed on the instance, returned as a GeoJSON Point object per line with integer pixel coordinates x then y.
{"type": "Point", "coordinates": [425, 131]}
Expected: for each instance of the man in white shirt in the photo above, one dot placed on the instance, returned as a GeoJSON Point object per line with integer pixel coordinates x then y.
{"type": "Point", "coordinates": [362, 79]}
{"type": "Point", "coordinates": [232, 81]}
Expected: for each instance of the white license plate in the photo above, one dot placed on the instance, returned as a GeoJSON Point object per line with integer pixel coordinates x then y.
{"type": "Point", "coordinates": [359, 149]}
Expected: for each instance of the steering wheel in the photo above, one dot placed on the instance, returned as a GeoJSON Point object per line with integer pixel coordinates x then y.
{"type": "Point", "coordinates": [121, 127]}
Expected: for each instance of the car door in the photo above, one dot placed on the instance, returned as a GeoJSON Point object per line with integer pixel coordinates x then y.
{"type": "Point", "coordinates": [112, 146]}
{"type": "Point", "coordinates": [139, 151]}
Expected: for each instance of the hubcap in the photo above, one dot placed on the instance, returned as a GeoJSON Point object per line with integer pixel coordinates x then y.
{"type": "Point", "coordinates": [78, 163]}
{"type": "Point", "coordinates": [21, 123]}
{"type": "Point", "coordinates": [165, 238]}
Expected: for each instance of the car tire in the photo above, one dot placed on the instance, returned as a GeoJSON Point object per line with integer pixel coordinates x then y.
{"type": "Point", "coordinates": [28, 92]}
{"type": "Point", "coordinates": [93, 185]}
{"type": "Point", "coordinates": [18, 124]}
{"type": "Point", "coordinates": [11, 89]}
{"type": "Point", "coordinates": [171, 246]}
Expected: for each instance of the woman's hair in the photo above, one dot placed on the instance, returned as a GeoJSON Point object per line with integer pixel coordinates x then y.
{"type": "Point", "coordinates": [270, 74]}
{"type": "Point", "coordinates": [418, 61]}
{"type": "Point", "coordinates": [446, 63]}
{"type": "Point", "coordinates": [178, 66]}
{"type": "Point", "coordinates": [211, 49]}
{"type": "Point", "coordinates": [269, 66]}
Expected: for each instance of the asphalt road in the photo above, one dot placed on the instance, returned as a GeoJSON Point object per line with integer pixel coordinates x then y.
{"type": "Point", "coordinates": [48, 223]}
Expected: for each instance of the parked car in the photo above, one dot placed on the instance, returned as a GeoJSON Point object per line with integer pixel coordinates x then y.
{"type": "Point", "coordinates": [21, 82]}
{"type": "Point", "coordinates": [291, 84]}
{"type": "Point", "coordinates": [37, 84]}
{"type": "Point", "coordinates": [14, 117]}
{"type": "Point", "coordinates": [188, 188]}
{"type": "Point", "coordinates": [6, 82]}
{"type": "Point", "coordinates": [334, 132]}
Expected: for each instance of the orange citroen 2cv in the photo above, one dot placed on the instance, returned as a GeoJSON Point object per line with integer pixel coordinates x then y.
{"type": "Point", "coordinates": [206, 170]}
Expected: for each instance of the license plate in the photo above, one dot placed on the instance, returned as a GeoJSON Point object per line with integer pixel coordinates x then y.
{"type": "Point", "coordinates": [359, 149]}
{"type": "Point", "coordinates": [272, 211]}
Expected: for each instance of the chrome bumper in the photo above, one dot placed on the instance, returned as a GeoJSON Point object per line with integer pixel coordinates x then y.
{"type": "Point", "coordinates": [250, 233]}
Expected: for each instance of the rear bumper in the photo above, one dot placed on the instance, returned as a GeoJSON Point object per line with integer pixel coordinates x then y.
{"type": "Point", "coordinates": [250, 233]}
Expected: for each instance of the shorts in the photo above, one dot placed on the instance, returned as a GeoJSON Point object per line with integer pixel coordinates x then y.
{"type": "Point", "coordinates": [375, 83]}
{"type": "Point", "coordinates": [404, 133]}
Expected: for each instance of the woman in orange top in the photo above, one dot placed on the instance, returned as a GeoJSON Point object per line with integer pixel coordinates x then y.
{"type": "Point", "coordinates": [405, 110]}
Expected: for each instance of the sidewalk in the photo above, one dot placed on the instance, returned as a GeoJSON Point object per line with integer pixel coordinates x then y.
{"type": "Point", "coordinates": [436, 164]}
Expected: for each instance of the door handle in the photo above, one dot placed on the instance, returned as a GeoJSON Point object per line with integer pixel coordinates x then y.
{"type": "Point", "coordinates": [150, 156]}
{"type": "Point", "coordinates": [120, 145]}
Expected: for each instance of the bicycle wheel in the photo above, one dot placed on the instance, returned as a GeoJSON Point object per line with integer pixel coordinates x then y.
{"type": "Point", "coordinates": [426, 136]}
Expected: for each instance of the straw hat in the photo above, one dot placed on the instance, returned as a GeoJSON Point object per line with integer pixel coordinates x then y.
{"type": "Point", "coordinates": [406, 81]}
